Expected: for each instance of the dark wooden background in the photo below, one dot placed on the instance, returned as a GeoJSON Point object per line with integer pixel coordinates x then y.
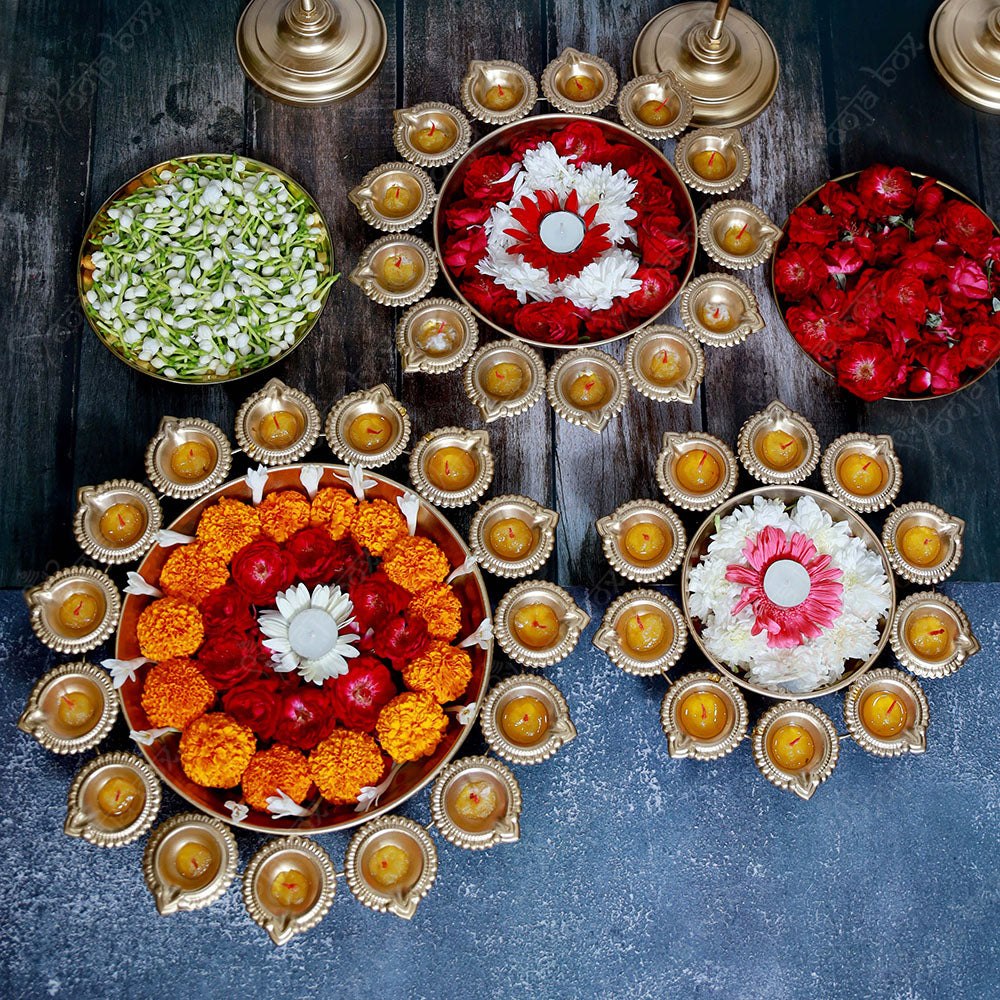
{"type": "Point", "coordinates": [74, 415]}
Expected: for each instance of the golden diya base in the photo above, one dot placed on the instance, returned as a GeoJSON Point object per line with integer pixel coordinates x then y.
{"type": "Point", "coordinates": [873, 448]}
{"type": "Point", "coordinates": [684, 710]}
{"type": "Point", "coordinates": [540, 521]}
{"type": "Point", "coordinates": [947, 529]}
{"type": "Point", "coordinates": [653, 94]}
{"type": "Point", "coordinates": [554, 604]}
{"type": "Point", "coordinates": [900, 726]}
{"type": "Point", "coordinates": [419, 341]}
{"type": "Point", "coordinates": [642, 515]}
{"type": "Point", "coordinates": [810, 724]}
{"type": "Point", "coordinates": [414, 126]}
{"type": "Point", "coordinates": [961, 641]}
{"type": "Point", "coordinates": [498, 92]}
{"type": "Point", "coordinates": [69, 592]}
{"type": "Point", "coordinates": [759, 455]}
{"type": "Point", "coordinates": [64, 687]}
{"type": "Point", "coordinates": [264, 408]}
{"type": "Point", "coordinates": [376, 403]}
{"type": "Point", "coordinates": [579, 83]}
{"type": "Point", "coordinates": [726, 143]}
{"type": "Point", "coordinates": [555, 727]}
{"type": "Point", "coordinates": [965, 47]}
{"type": "Point", "coordinates": [373, 197]}
{"type": "Point", "coordinates": [642, 608]}
{"type": "Point", "coordinates": [476, 804]}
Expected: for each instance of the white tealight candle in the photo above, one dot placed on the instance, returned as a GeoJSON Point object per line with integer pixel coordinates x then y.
{"type": "Point", "coordinates": [312, 633]}
{"type": "Point", "coordinates": [786, 583]}
{"type": "Point", "coordinates": [562, 232]}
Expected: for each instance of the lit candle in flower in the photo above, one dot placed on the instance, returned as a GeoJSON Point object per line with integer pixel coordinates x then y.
{"type": "Point", "coordinates": [511, 538]}
{"type": "Point", "coordinates": [525, 720]}
{"type": "Point", "coordinates": [562, 231]}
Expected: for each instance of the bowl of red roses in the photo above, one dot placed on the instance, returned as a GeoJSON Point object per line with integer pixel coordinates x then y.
{"type": "Point", "coordinates": [565, 231]}
{"type": "Point", "coordinates": [888, 280]}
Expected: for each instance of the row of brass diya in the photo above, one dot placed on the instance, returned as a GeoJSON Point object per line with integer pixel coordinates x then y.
{"type": "Point", "coordinates": [562, 230]}
{"type": "Point", "coordinates": [788, 593]}
{"type": "Point", "coordinates": [301, 650]}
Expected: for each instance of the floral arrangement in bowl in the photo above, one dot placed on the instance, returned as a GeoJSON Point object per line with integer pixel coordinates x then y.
{"type": "Point", "coordinates": [888, 279]}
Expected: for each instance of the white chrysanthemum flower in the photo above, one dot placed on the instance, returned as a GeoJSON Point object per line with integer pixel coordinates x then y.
{"type": "Point", "coordinates": [598, 285]}
{"type": "Point", "coordinates": [543, 169]}
{"type": "Point", "coordinates": [307, 634]}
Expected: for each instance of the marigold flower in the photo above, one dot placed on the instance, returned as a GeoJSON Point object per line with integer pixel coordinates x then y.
{"type": "Point", "coordinates": [169, 627]}
{"type": "Point", "coordinates": [279, 767]}
{"type": "Point", "coordinates": [282, 514]}
{"type": "Point", "coordinates": [335, 510]}
{"type": "Point", "coordinates": [441, 670]}
{"type": "Point", "coordinates": [411, 725]}
{"type": "Point", "coordinates": [175, 693]}
{"type": "Point", "coordinates": [228, 526]}
{"type": "Point", "coordinates": [344, 763]}
{"type": "Point", "coordinates": [416, 563]}
{"type": "Point", "coordinates": [440, 607]}
{"type": "Point", "coordinates": [377, 525]}
{"type": "Point", "coordinates": [192, 572]}
{"type": "Point", "coordinates": [216, 750]}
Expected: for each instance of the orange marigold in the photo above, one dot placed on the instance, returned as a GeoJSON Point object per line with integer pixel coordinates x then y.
{"type": "Point", "coordinates": [169, 627]}
{"type": "Point", "coordinates": [226, 527]}
{"type": "Point", "coordinates": [175, 693]}
{"type": "Point", "coordinates": [344, 763]}
{"type": "Point", "coordinates": [333, 509]}
{"type": "Point", "coordinates": [377, 525]}
{"type": "Point", "coordinates": [440, 607]}
{"type": "Point", "coordinates": [411, 725]}
{"type": "Point", "coordinates": [192, 572]}
{"type": "Point", "coordinates": [416, 563]}
{"type": "Point", "coordinates": [282, 514]}
{"type": "Point", "coordinates": [216, 750]}
{"type": "Point", "coordinates": [441, 670]}
{"type": "Point", "coordinates": [280, 767]}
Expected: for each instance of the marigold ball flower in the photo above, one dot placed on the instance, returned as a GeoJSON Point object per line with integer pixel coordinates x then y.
{"type": "Point", "coordinates": [335, 510]}
{"type": "Point", "coordinates": [279, 767]}
{"type": "Point", "coordinates": [216, 749]}
{"type": "Point", "coordinates": [169, 627]}
{"type": "Point", "coordinates": [344, 763]}
{"type": "Point", "coordinates": [411, 726]}
{"type": "Point", "coordinates": [192, 572]}
{"type": "Point", "coordinates": [440, 607]}
{"type": "Point", "coordinates": [441, 670]}
{"type": "Point", "coordinates": [282, 514]}
{"type": "Point", "coordinates": [174, 693]}
{"type": "Point", "coordinates": [377, 525]}
{"type": "Point", "coordinates": [416, 563]}
{"type": "Point", "coordinates": [228, 526]}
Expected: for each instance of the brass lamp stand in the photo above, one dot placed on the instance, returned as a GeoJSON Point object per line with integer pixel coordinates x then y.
{"type": "Point", "coordinates": [965, 47]}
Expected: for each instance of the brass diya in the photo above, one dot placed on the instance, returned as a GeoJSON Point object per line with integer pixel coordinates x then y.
{"type": "Point", "coordinates": [965, 46]}
{"type": "Point", "coordinates": [737, 234]}
{"type": "Point", "coordinates": [431, 134]}
{"type": "Point", "coordinates": [71, 709]}
{"type": "Point", "coordinates": [655, 106]}
{"type": "Point", "coordinates": [703, 716]}
{"type": "Point", "coordinates": [720, 310]}
{"type": "Point", "coordinates": [113, 800]}
{"type": "Point", "coordinates": [391, 864]}
{"type": "Point", "coordinates": [75, 609]}
{"type": "Point", "coordinates": [189, 862]}
{"type": "Point", "coordinates": [117, 521]}
{"type": "Point", "coordinates": [452, 466]}
{"type": "Point", "coordinates": [695, 471]}
{"type": "Point", "coordinates": [436, 336]}
{"type": "Point", "coordinates": [931, 635]}
{"type": "Point", "coordinates": [588, 388]}
{"type": "Point", "coordinates": [512, 536]}
{"type": "Point", "coordinates": [643, 540]}
{"type": "Point", "coordinates": [886, 713]}
{"type": "Point", "coordinates": [394, 197]}
{"type": "Point", "coordinates": [476, 804]}
{"type": "Point", "coordinates": [924, 542]}
{"type": "Point", "coordinates": [643, 633]}
{"type": "Point", "coordinates": [288, 887]}
{"type": "Point", "coordinates": [777, 445]}
{"type": "Point", "coordinates": [368, 428]}
{"type": "Point", "coordinates": [538, 624]}
{"type": "Point", "coordinates": [665, 363]}
{"type": "Point", "coordinates": [713, 160]}
{"type": "Point", "coordinates": [187, 457]}
{"type": "Point", "coordinates": [396, 270]}
{"type": "Point", "coordinates": [498, 92]}
{"type": "Point", "coordinates": [795, 746]}
{"type": "Point", "coordinates": [504, 379]}
{"type": "Point", "coordinates": [862, 471]}
{"type": "Point", "coordinates": [578, 82]}
{"type": "Point", "coordinates": [525, 719]}
{"type": "Point", "coordinates": [278, 424]}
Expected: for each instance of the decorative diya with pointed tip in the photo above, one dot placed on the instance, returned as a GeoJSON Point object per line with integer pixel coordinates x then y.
{"type": "Point", "coordinates": [643, 632]}
{"type": "Point", "coordinates": [498, 91]}
{"type": "Point", "coordinates": [277, 424]}
{"type": "Point", "coordinates": [116, 521]}
{"type": "Point", "coordinates": [75, 609]}
{"type": "Point", "coordinates": [931, 635]}
{"type": "Point", "coordinates": [643, 540]}
{"type": "Point", "coordinates": [578, 82]}
{"type": "Point", "coordinates": [703, 716]}
{"type": "Point", "coordinates": [665, 363]}
{"type": "Point", "coordinates": [436, 336]}
{"type": "Point", "coordinates": [538, 624]}
{"type": "Point", "coordinates": [655, 106]}
{"type": "Point", "coordinates": [696, 471]}
{"type": "Point", "coordinates": [713, 160]}
{"type": "Point", "coordinates": [924, 542]}
{"type": "Point", "coordinates": [368, 428]}
{"type": "Point", "coordinates": [504, 379]}
{"type": "Point", "coordinates": [778, 445]}
{"type": "Point", "coordinates": [476, 803]}
{"type": "Point", "coordinates": [525, 719]}
{"type": "Point", "coordinates": [862, 471]}
{"type": "Point", "coordinates": [720, 310]}
{"type": "Point", "coordinates": [396, 270]}
{"type": "Point", "coordinates": [737, 234]}
{"type": "Point", "coordinates": [452, 466]}
{"type": "Point", "coordinates": [431, 134]}
{"type": "Point", "coordinates": [587, 388]}
{"type": "Point", "coordinates": [512, 536]}
{"type": "Point", "coordinates": [795, 746]}
{"type": "Point", "coordinates": [886, 713]}
{"type": "Point", "coordinates": [187, 457]}
{"type": "Point", "coordinates": [395, 197]}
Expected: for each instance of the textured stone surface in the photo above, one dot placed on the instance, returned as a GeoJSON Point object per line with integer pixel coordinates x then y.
{"type": "Point", "coordinates": [635, 875]}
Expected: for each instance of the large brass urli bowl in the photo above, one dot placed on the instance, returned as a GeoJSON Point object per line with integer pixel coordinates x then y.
{"type": "Point", "coordinates": [163, 754]}
{"type": "Point", "coordinates": [499, 141]}
{"type": "Point", "coordinates": [698, 546]}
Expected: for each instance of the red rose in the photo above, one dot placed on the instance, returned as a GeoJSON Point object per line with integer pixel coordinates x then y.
{"type": "Point", "coordinates": [466, 213]}
{"type": "Point", "coordinates": [313, 551]}
{"type": "Point", "coordinates": [498, 303]}
{"type": "Point", "coordinates": [929, 197]}
{"type": "Point", "coordinates": [485, 178]}
{"type": "Point", "coordinates": [980, 345]}
{"type": "Point", "coordinates": [659, 286]}
{"type": "Point", "coordinates": [886, 190]}
{"type": "Point", "coordinates": [869, 370]}
{"type": "Point", "coordinates": [581, 141]}
{"type": "Point", "coordinates": [821, 332]}
{"type": "Point", "coordinates": [256, 704]}
{"type": "Point", "coordinates": [377, 599]}
{"type": "Point", "coordinates": [348, 563]}
{"type": "Point", "coordinates": [652, 196]}
{"type": "Point", "coordinates": [967, 227]}
{"type": "Point", "coordinates": [926, 265]}
{"type": "Point", "coordinates": [610, 322]}
{"type": "Point", "coordinates": [461, 254]}
{"type": "Point", "coordinates": [227, 608]}
{"type": "Point", "coordinates": [866, 305]}
{"type": "Point", "coordinates": [402, 637]}
{"type": "Point", "coordinates": [842, 258]}
{"type": "Point", "coordinates": [904, 296]}
{"type": "Point", "coordinates": [261, 569]}
{"type": "Point", "coordinates": [556, 322]}
{"type": "Point", "coordinates": [799, 270]}
{"type": "Point", "coordinates": [360, 694]}
{"type": "Point", "coordinates": [806, 225]}
{"type": "Point", "coordinates": [231, 658]}
{"type": "Point", "coordinates": [938, 371]}
{"type": "Point", "coordinates": [842, 204]}
{"type": "Point", "coordinates": [661, 241]}
{"type": "Point", "coordinates": [967, 278]}
{"type": "Point", "coordinates": [305, 718]}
